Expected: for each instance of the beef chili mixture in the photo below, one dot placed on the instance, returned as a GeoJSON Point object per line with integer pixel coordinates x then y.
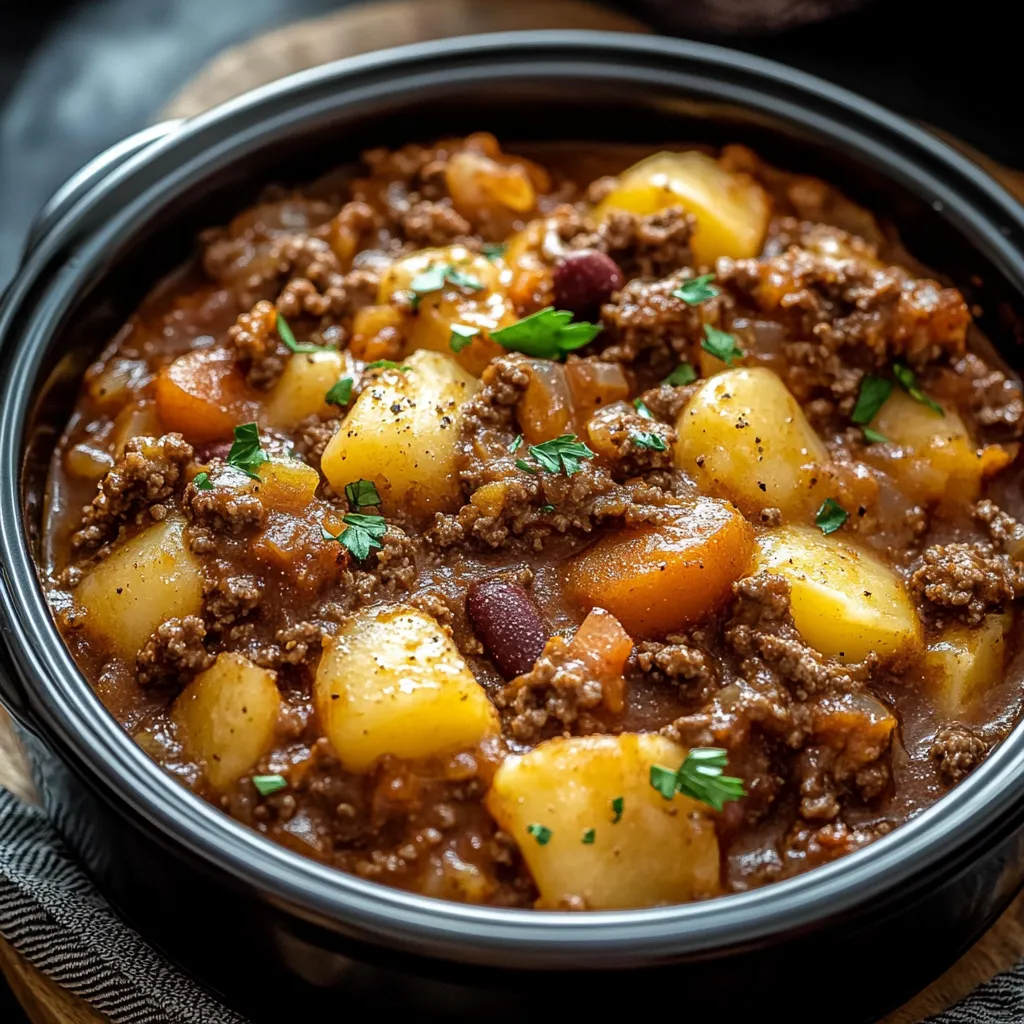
{"type": "Point", "coordinates": [515, 537]}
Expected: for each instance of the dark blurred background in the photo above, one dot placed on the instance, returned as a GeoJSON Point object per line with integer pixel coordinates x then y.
{"type": "Point", "coordinates": [77, 75]}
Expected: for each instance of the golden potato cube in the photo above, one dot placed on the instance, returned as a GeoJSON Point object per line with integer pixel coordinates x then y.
{"type": "Point", "coordinates": [401, 433]}
{"type": "Point", "coordinates": [845, 602]}
{"type": "Point", "coordinates": [932, 455]}
{"type": "Point", "coordinates": [227, 716]}
{"type": "Point", "coordinates": [393, 682]}
{"type": "Point", "coordinates": [744, 437]}
{"type": "Point", "coordinates": [301, 391]}
{"type": "Point", "coordinates": [487, 308]}
{"type": "Point", "coordinates": [964, 662]}
{"type": "Point", "coordinates": [731, 208]}
{"type": "Point", "coordinates": [660, 851]}
{"type": "Point", "coordinates": [143, 582]}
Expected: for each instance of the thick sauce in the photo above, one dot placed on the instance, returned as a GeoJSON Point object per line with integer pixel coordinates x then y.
{"type": "Point", "coordinates": [464, 621]}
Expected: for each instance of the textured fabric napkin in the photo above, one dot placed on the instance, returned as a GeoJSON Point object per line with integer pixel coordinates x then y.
{"type": "Point", "coordinates": [51, 913]}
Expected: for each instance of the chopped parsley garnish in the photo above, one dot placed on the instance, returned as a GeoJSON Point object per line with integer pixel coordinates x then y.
{"type": "Point", "coordinates": [462, 335]}
{"type": "Point", "coordinates": [874, 391]}
{"type": "Point", "coordinates": [202, 482]}
{"type": "Point", "coordinates": [684, 373]}
{"type": "Point", "coordinates": [387, 364]}
{"type": "Point", "coordinates": [873, 436]}
{"type": "Point", "coordinates": [526, 467]}
{"type": "Point", "coordinates": [434, 277]}
{"type": "Point", "coordinates": [908, 381]}
{"type": "Point", "coordinates": [363, 535]}
{"type": "Point", "coordinates": [560, 454]}
{"type": "Point", "coordinates": [697, 290]}
{"type": "Point", "coordinates": [288, 337]}
{"type": "Point", "coordinates": [541, 833]}
{"type": "Point", "coordinates": [547, 508]}
{"type": "Point", "coordinates": [588, 836]}
{"type": "Point", "coordinates": [831, 516]}
{"type": "Point", "coordinates": [516, 444]}
{"type": "Point", "coordinates": [641, 408]}
{"type": "Point", "coordinates": [648, 439]}
{"type": "Point", "coordinates": [361, 493]}
{"type": "Point", "coordinates": [700, 778]}
{"type": "Point", "coordinates": [246, 453]}
{"type": "Point", "coordinates": [494, 250]}
{"type": "Point", "coordinates": [340, 394]}
{"type": "Point", "coordinates": [267, 784]}
{"type": "Point", "coordinates": [546, 334]}
{"type": "Point", "coordinates": [721, 344]}
{"type": "Point", "coordinates": [617, 804]}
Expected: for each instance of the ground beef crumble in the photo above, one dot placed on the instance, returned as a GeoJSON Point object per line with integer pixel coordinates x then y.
{"type": "Point", "coordinates": [173, 654]}
{"type": "Point", "coordinates": [145, 476]}
{"type": "Point", "coordinates": [958, 749]}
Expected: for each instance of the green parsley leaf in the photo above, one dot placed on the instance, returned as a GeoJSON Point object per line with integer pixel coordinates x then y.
{"type": "Point", "coordinates": [546, 334]}
{"type": "Point", "coordinates": [387, 364]}
{"type": "Point", "coordinates": [493, 250]}
{"type": "Point", "coordinates": [246, 453]}
{"type": "Point", "coordinates": [541, 833]}
{"type": "Point", "coordinates": [363, 535]}
{"type": "Point", "coordinates": [874, 391]}
{"type": "Point", "coordinates": [561, 454]}
{"type": "Point", "coordinates": [546, 508]}
{"type": "Point", "coordinates": [697, 290]}
{"type": "Point", "coordinates": [588, 836]}
{"type": "Point", "coordinates": [526, 467]}
{"type": "Point", "coordinates": [617, 804]}
{"type": "Point", "coordinates": [267, 784]}
{"type": "Point", "coordinates": [287, 336]}
{"type": "Point", "coordinates": [684, 373]}
{"type": "Point", "coordinates": [700, 778]}
{"type": "Point", "coordinates": [908, 381]}
{"type": "Point", "coordinates": [462, 336]}
{"type": "Point", "coordinates": [638, 404]}
{"type": "Point", "coordinates": [873, 436]}
{"type": "Point", "coordinates": [434, 277]}
{"type": "Point", "coordinates": [202, 482]}
{"type": "Point", "coordinates": [721, 344]}
{"type": "Point", "coordinates": [361, 493]}
{"type": "Point", "coordinates": [340, 394]}
{"type": "Point", "coordinates": [649, 440]}
{"type": "Point", "coordinates": [516, 444]}
{"type": "Point", "coordinates": [831, 516]}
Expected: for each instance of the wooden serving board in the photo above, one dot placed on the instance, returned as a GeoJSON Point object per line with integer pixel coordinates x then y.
{"type": "Point", "coordinates": [360, 29]}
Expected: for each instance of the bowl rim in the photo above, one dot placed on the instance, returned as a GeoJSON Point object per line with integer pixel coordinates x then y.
{"type": "Point", "coordinates": [936, 844]}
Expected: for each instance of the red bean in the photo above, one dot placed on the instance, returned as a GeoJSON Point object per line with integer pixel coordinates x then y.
{"type": "Point", "coordinates": [508, 623]}
{"type": "Point", "coordinates": [212, 450]}
{"type": "Point", "coordinates": [585, 279]}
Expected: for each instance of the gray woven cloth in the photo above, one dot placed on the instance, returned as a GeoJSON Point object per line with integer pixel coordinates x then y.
{"type": "Point", "coordinates": [51, 913]}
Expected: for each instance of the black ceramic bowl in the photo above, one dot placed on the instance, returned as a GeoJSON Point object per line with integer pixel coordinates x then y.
{"type": "Point", "coordinates": [273, 931]}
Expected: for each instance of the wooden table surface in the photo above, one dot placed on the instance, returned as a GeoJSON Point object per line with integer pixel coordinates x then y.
{"type": "Point", "coordinates": [360, 29]}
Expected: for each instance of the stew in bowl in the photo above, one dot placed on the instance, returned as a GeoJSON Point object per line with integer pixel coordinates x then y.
{"type": "Point", "coordinates": [558, 530]}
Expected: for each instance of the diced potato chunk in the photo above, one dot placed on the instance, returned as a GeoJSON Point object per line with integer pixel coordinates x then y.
{"type": "Point", "coordinates": [227, 716]}
{"type": "Point", "coordinates": [401, 433]}
{"type": "Point", "coordinates": [144, 582]}
{"type": "Point", "coordinates": [731, 207]}
{"type": "Point", "coordinates": [203, 396]}
{"type": "Point", "coordinates": [844, 601]}
{"type": "Point", "coordinates": [393, 682]}
{"type": "Point", "coordinates": [656, 579]}
{"type": "Point", "coordinates": [964, 662]}
{"type": "Point", "coordinates": [743, 436]}
{"type": "Point", "coordinates": [661, 851]}
{"type": "Point", "coordinates": [284, 485]}
{"type": "Point", "coordinates": [932, 456]}
{"type": "Point", "coordinates": [486, 308]}
{"type": "Point", "coordinates": [307, 378]}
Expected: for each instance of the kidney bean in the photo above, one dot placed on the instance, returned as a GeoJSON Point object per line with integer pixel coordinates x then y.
{"type": "Point", "coordinates": [585, 279]}
{"type": "Point", "coordinates": [212, 450]}
{"type": "Point", "coordinates": [508, 623]}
